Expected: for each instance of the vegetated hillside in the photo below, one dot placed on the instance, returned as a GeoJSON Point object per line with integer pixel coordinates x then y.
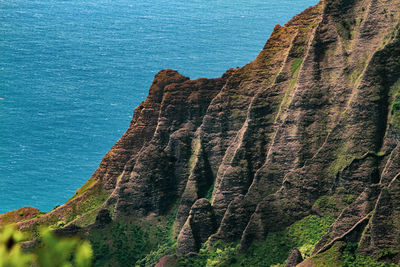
{"type": "Point", "coordinates": [295, 154]}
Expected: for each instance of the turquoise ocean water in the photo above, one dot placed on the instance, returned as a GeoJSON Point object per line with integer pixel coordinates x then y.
{"type": "Point", "coordinates": [72, 72]}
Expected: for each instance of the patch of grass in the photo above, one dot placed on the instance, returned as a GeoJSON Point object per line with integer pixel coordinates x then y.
{"type": "Point", "coordinates": [40, 214]}
{"type": "Point", "coordinates": [237, 113]}
{"type": "Point", "coordinates": [343, 159]}
{"type": "Point", "coordinates": [326, 204]}
{"type": "Point", "coordinates": [295, 66]}
{"type": "Point", "coordinates": [331, 257]}
{"type": "Point", "coordinates": [350, 199]}
{"type": "Point", "coordinates": [341, 162]}
{"type": "Point", "coordinates": [391, 36]}
{"type": "Point", "coordinates": [334, 204]}
{"type": "Point", "coordinates": [89, 184]}
{"type": "Point", "coordinates": [86, 219]}
{"type": "Point", "coordinates": [91, 202]}
{"type": "Point", "coordinates": [210, 191]}
{"type": "Point", "coordinates": [196, 149]}
{"type": "Point", "coordinates": [58, 224]}
{"type": "Point", "coordinates": [395, 107]}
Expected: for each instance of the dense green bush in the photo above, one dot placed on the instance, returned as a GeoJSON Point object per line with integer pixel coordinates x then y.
{"type": "Point", "coordinates": [351, 258]}
{"type": "Point", "coordinates": [218, 254]}
{"type": "Point", "coordinates": [50, 251]}
{"type": "Point", "coordinates": [119, 245]}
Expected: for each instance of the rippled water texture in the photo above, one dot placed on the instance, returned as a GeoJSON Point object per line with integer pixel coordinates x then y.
{"type": "Point", "coordinates": [72, 72]}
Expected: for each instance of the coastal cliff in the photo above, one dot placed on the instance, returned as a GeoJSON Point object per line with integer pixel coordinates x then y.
{"type": "Point", "coordinates": [301, 145]}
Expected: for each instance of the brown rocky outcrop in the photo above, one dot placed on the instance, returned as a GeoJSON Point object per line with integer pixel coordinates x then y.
{"type": "Point", "coordinates": [200, 224]}
{"type": "Point", "coordinates": [103, 218]}
{"type": "Point", "coordinates": [167, 261]}
{"type": "Point", "coordinates": [69, 230]}
{"type": "Point", "coordinates": [294, 258]}
{"type": "Point", "coordinates": [18, 215]}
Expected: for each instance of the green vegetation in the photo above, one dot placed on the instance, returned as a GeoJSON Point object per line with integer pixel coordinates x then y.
{"type": "Point", "coordinates": [40, 214]}
{"type": "Point", "coordinates": [119, 245]}
{"type": "Point", "coordinates": [356, 75]}
{"type": "Point", "coordinates": [303, 235]}
{"type": "Point", "coordinates": [19, 215]}
{"type": "Point", "coordinates": [236, 97]}
{"type": "Point", "coordinates": [92, 201]}
{"type": "Point", "coordinates": [294, 72]}
{"type": "Point", "coordinates": [395, 107]}
{"type": "Point", "coordinates": [89, 184]}
{"type": "Point", "coordinates": [346, 255]}
{"type": "Point", "coordinates": [349, 199]}
{"type": "Point", "coordinates": [86, 219]}
{"type": "Point", "coordinates": [196, 149]}
{"type": "Point", "coordinates": [343, 159]}
{"type": "Point", "coordinates": [58, 224]}
{"type": "Point", "coordinates": [210, 191]}
{"type": "Point", "coordinates": [391, 36]}
{"type": "Point", "coordinates": [331, 257]}
{"type": "Point", "coordinates": [165, 240]}
{"type": "Point", "coordinates": [51, 250]}
{"type": "Point", "coordinates": [344, 28]}
{"type": "Point", "coordinates": [155, 255]}
{"type": "Point", "coordinates": [351, 258]}
{"type": "Point", "coordinates": [137, 243]}
{"type": "Point", "coordinates": [334, 204]}
{"type": "Point", "coordinates": [218, 254]}
{"type": "Point", "coordinates": [327, 204]}
{"type": "Point", "coordinates": [295, 66]}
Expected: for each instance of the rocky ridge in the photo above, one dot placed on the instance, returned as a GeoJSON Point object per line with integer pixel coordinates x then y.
{"type": "Point", "coordinates": [310, 127]}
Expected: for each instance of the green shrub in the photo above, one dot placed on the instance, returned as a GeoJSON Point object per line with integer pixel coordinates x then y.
{"type": "Point", "coordinates": [51, 251]}
{"type": "Point", "coordinates": [351, 258]}
{"type": "Point", "coordinates": [155, 255]}
{"type": "Point", "coordinates": [219, 254]}
{"type": "Point", "coordinates": [119, 245]}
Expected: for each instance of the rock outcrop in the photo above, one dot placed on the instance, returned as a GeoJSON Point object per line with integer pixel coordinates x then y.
{"type": "Point", "coordinates": [315, 116]}
{"type": "Point", "coordinates": [103, 218]}
{"type": "Point", "coordinates": [167, 261]}
{"type": "Point", "coordinates": [200, 224]}
{"type": "Point", "coordinates": [18, 215]}
{"type": "Point", "coordinates": [294, 258]}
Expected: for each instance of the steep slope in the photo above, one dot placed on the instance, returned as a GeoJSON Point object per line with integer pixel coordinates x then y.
{"type": "Point", "coordinates": [307, 134]}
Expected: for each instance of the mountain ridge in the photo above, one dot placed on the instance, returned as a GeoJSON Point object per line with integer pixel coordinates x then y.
{"type": "Point", "coordinates": [309, 128]}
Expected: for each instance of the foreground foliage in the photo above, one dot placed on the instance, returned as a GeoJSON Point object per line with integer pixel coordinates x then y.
{"type": "Point", "coordinates": [50, 251]}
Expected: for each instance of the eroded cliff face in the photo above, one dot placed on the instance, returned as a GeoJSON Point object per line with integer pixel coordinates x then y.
{"type": "Point", "coordinates": [314, 119]}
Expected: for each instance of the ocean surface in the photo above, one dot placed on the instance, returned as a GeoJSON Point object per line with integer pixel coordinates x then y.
{"type": "Point", "coordinates": [72, 72]}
